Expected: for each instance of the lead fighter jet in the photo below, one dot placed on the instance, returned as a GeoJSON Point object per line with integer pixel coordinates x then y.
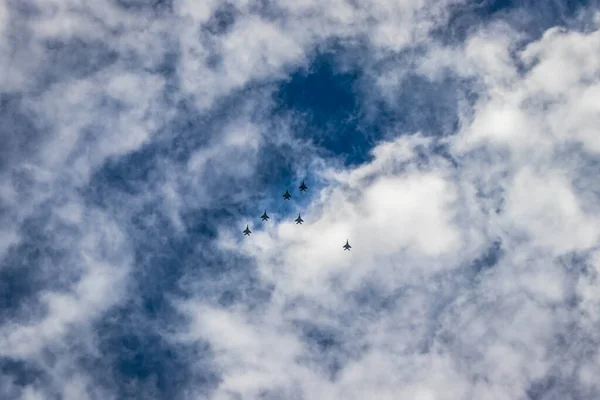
{"type": "Point", "coordinates": [303, 187]}
{"type": "Point", "coordinates": [287, 195]}
{"type": "Point", "coordinates": [347, 246]}
{"type": "Point", "coordinates": [247, 231]}
{"type": "Point", "coordinates": [299, 220]}
{"type": "Point", "coordinates": [264, 217]}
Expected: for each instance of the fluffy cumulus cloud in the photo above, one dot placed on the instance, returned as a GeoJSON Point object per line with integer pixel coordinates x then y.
{"type": "Point", "coordinates": [455, 146]}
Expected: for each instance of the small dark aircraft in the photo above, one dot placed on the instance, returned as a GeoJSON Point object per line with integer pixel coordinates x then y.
{"type": "Point", "coordinates": [303, 187]}
{"type": "Point", "coordinates": [287, 195]}
{"type": "Point", "coordinates": [347, 246]}
{"type": "Point", "coordinates": [264, 217]}
{"type": "Point", "coordinates": [247, 231]}
{"type": "Point", "coordinates": [299, 220]}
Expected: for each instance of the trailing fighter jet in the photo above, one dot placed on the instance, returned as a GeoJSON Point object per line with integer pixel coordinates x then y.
{"type": "Point", "coordinates": [347, 246]}
{"type": "Point", "coordinates": [303, 187]}
{"type": "Point", "coordinates": [247, 231]}
{"type": "Point", "coordinates": [265, 216]}
{"type": "Point", "coordinates": [287, 195]}
{"type": "Point", "coordinates": [299, 220]}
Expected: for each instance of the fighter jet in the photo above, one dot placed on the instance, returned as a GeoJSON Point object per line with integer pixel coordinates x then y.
{"type": "Point", "coordinates": [287, 195]}
{"type": "Point", "coordinates": [303, 187]}
{"type": "Point", "coordinates": [299, 220]}
{"type": "Point", "coordinates": [265, 216]}
{"type": "Point", "coordinates": [247, 231]}
{"type": "Point", "coordinates": [347, 246]}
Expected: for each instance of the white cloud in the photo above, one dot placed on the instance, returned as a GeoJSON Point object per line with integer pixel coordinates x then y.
{"type": "Point", "coordinates": [408, 311]}
{"type": "Point", "coordinates": [545, 206]}
{"type": "Point", "coordinates": [417, 231]}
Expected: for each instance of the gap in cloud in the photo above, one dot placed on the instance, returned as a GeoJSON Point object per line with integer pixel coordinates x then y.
{"type": "Point", "coordinates": [137, 359]}
{"type": "Point", "coordinates": [23, 373]}
{"type": "Point", "coordinates": [339, 105]}
{"type": "Point", "coordinates": [325, 106]}
{"type": "Point", "coordinates": [527, 16]}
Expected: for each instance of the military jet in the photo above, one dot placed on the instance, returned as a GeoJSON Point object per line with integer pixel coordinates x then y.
{"type": "Point", "coordinates": [264, 217]}
{"type": "Point", "coordinates": [303, 187]}
{"type": "Point", "coordinates": [287, 195]}
{"type": "Point", "coordinates": [299, 220]}
{"type": "Point", "coordinates": [347, 246]}
{"type": "Point", "coordinates": [247, 231]}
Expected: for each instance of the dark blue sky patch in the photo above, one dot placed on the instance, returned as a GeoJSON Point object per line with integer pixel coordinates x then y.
{"type": "Point", "coordinates": [528, 16]}
{"type": "Point", "coordinates": [160, 261]}
{"type": "Point", "coordinates": [326, 108]}
{"type": "Point", "coordinates": [19, 285]}
{"type": "Point", "coordinates": [120, 178]}
{"type": "Point", "coordinates": [335, 107]}
{"type": "Point", "coordinates": [324, 94]}
{"type": "Point", "coordinates": [22, 372]}
{"type": "Point", "coordinates": [137, 360]}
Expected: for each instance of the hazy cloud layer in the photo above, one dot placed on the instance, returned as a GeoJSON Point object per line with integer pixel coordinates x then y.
{"type": "Point", "coordinates": [455, 146]}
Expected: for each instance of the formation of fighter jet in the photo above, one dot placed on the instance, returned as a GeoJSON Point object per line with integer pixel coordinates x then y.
{"type": "Point", "coordinates": [299, 220]}
{"type": "Point", "coordinates": [264, 217]}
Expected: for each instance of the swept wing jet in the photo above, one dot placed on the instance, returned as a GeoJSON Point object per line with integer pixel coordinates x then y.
{"type": "Point", "coordinates": [347, 246]}
{"type": "Point", "coordinates": [264, 217]}
{"type": "Point", "coordinates": [247, 231]}
{"type": "Point", "coordinates": [299, 220]}
{"type": "Point", "coordinates": [287, 195]}
{"type": "Point", "coordinates": [303, 187]}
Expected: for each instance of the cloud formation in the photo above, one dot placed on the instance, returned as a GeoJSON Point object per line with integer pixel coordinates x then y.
{"type": "Point", "coordinates": [140, 139]}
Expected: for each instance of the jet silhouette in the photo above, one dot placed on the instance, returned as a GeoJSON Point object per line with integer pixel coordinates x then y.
{"type": "Point", "coordinates": [247, 231]}
{"type": "Point", "coordinates": [287, 195]}
{"type": "Point", "coordinates": [347, 246]}
{"type": "Point", "coordinates": [265, 216]}
{"type": "Point", "coordinates": [303, 187]}
{"type": "Point", "coordinates": [299, 220]}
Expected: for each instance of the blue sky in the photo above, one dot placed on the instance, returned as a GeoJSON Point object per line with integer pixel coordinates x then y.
{"type": "Point", "coordinates": [454, 144]}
